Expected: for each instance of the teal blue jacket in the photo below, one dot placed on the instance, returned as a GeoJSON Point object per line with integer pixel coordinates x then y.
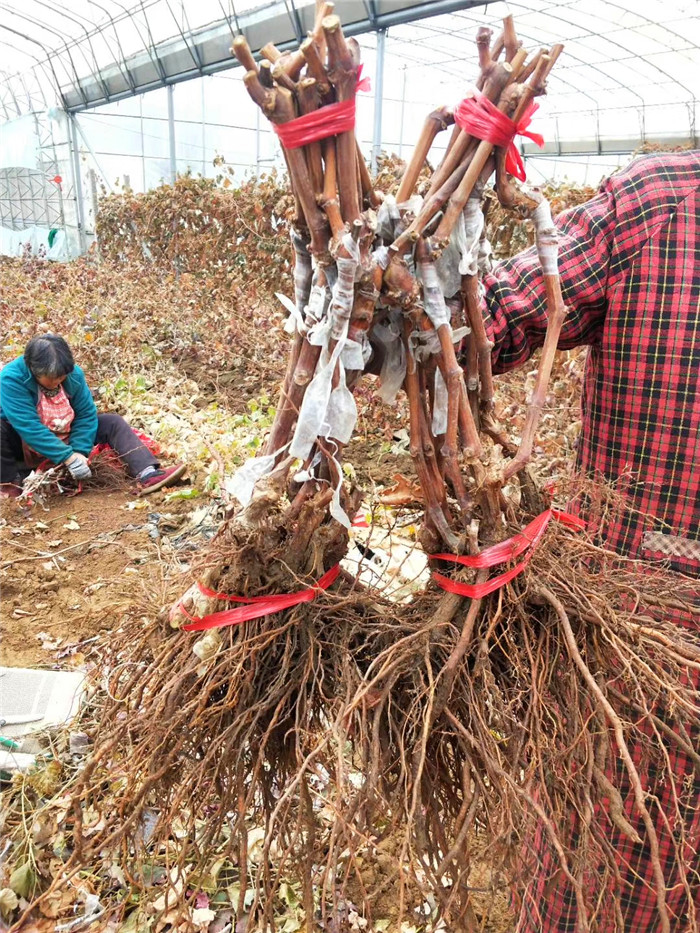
{"type": "Point", "coordinates": [19, 394]}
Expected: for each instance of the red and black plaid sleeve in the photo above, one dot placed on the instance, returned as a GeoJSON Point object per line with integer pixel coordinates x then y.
{"type": "Point", "coordinates": [515, 298]}
{"type": "Point", "coordinates": [630, 269]}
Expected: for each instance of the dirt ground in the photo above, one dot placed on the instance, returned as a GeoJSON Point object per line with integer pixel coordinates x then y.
{"type": "Point", "coordinates": [74, 567]}
{"type": "Point", "coordinates": [196, 364]}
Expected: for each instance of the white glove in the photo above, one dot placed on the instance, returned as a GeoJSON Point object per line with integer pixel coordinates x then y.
{"type": "Point", "coordinates": [78, 466]}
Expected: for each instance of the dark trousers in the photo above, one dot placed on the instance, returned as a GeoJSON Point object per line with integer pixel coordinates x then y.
{"type": "Point", "coordinates": [111, 429]}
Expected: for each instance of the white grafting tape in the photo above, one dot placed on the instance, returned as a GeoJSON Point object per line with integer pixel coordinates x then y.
{"type": "Point", "coordinates": [546, 238]}
{"type": "Point", "coordinates": [433, 299]}
{"type": "Point", "coordinates": [439, 425]}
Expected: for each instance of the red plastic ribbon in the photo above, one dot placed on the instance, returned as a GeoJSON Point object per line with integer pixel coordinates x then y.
{"type": "Point", "coordinates": [112, 458]}
{"type": "Point", "coordinates": [477, 116]}
{"type": "Point", "coordinates": [526, 540]}
{"type": "Point", "coordinates": [256, 606]}
{"type": "Point", "coordinates": [322, 123]}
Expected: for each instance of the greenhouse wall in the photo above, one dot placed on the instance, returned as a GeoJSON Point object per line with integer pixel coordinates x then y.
{"type": "Point", "coordinates": [628, 86]}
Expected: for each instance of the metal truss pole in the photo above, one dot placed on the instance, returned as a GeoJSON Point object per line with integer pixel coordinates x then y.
{"type": "Point", "coordinates": [378, 99]}
{"type": "Point", "coordinates": [77, 182]}
{"type": "Point", "coordinates": [143, 145]}
{"type": "Point", "coordinates": [257, 141]}
{"type": "Point", "coordinates": [204, 129]}
{"type": "Point", "coordinates": [86, 143]}
{"type": "Point", "coordinates": [171, 132]}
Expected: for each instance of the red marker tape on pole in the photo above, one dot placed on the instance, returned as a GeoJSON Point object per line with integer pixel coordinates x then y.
{"type": "Point", "coordinates": [526, 540]}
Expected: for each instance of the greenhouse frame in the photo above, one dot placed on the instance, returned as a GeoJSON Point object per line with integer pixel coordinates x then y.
{"type": "Point", "coordinates": [120, 95]}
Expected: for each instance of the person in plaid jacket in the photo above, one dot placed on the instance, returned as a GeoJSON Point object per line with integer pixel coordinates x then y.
{"type": "Point", "coordinates": [630, 269]}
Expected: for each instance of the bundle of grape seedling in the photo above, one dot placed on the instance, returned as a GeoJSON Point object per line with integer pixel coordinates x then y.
{"type": "Point", "coordinates": [502, 710]}
{"type": "Point", "coordinates": [396, 279]}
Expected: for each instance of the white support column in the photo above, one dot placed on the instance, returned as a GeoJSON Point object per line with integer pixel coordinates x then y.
{"type": "Point", "coordinates": [378, 99]}
{"type": "Point", "coordinates": [403, 112]}
{"type": "Point", "coordinates": [204, 130]}
{"type": "Point", "coordinates": [86, 143]}
{"type": "Point", "coordinates": [171, 132]}
{"type": "Point", "coordinates": [143, 145]}
{"type": "Point", "coordinates": [92, 181]}
{"type": "Point", "coordinates": [77, 183]}
{"type": "Point", "coordinates": [257, 141]}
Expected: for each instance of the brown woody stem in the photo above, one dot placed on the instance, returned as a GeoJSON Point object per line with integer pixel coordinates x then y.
{"type": "Point", "coordinates": [270, 52]}
{"type": "Point", "coordinates": [366, 180]}
{"type": "Point", "coordinates": [431, 484]}
{"type": "Point", "coordinates": [459, 162]}
{"type": "Point", "coordinates": [436, 121]}
{"type": "Point", "coordinates": [278, 106]}
{"type": "Point", "coordinates": [494, 83]}
{"type": "Point", "coordinates": [312, 56]}
{"type": "Point", "coordinates": [342, 72]}
{"type": "Point", "coordinates": [476, 166]}
{"type": "Point", "coordinates": [307, 95]}
{"type": "Point", "coordinates": [482, 345]}
{"type": "Point", "coordinates": [510, 40]}
{"type": "Point", "coordinates": [556, 312]}
{"type": "Point", "coordinates": [241, 50]}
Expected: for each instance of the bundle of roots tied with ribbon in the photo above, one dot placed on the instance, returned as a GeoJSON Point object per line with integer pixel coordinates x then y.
{"type": "Point", "coordinates": [505, 701]}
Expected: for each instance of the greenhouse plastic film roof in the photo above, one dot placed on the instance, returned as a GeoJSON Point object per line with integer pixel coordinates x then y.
{"type": "Point", "coordinates": [115, 93]}
{"type": "Point", "coordinates": [74, 118]}
{"type": "Point", "coordinates": [624, 53]}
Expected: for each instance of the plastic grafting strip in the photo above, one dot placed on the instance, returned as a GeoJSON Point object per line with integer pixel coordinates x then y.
{"type": "Point", "coordinates": [479, 590]}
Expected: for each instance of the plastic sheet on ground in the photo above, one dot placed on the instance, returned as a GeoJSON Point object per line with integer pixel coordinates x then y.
{"type": "Point", "coordinates": [390, 562]}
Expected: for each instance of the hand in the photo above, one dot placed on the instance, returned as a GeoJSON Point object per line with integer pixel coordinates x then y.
{"type": "Point", "coordinates": [78, 466]}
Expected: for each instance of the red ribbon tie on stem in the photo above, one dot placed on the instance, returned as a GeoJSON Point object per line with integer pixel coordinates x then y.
{"type": "Point", "coordinates": [255, 607]}
{"type": "Point", "coordinates": [319, 124]}
{"type": "Point", "coordinates": [477, 116]}
{"type": "Point", "coordinates": [526, 540]}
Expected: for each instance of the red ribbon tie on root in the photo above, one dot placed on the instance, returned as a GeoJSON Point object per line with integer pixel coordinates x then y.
{"type": "Point", "coordinates": [526, 540]}
{"type": "Point", "coordinates": [477, 116]}
{"type": "Point", "coordinates": [322, 123]}
{"type": "Point", "coordinates": [256, 607]}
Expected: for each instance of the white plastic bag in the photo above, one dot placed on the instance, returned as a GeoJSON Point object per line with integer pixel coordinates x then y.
{"type": "Point", "coordinates": [448, 264]}
{"type": "Point", "coordinates": [341, 414]}
{"type": "Point", "coordinates": [335, 508]}
{"type": "Point", "coordinates": [242, 483]}
{"type": "Point", "coordinates": [303, 271]}
{"type": "Point", "coordinates": [473, 218]}
{"type": "Point", "coordinates": [388, 217]}
{"type": "Point", "coordinates": [295, 321]}
{"type": "Point", "coordinates": [354, 355]}
{"type": "Point", "coordinates": [319, 300]}
{"type": "Point", "coordinates": [433, 298]}
{"type": "Point", "coordinates": [393, 371]}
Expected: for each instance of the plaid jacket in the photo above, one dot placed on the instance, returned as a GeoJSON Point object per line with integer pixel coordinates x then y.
{"type": "Point", "coordinates": [630, 270]}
